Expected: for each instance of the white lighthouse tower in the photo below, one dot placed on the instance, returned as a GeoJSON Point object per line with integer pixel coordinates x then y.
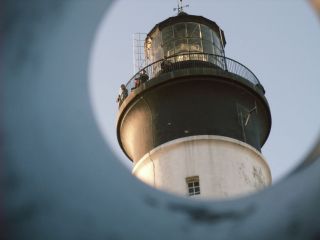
{"type": "Point", "coordinates": [194, 121]}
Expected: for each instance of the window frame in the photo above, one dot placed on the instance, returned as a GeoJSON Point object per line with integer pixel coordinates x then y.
{"type": "Point", "coordinates": [193, 186]}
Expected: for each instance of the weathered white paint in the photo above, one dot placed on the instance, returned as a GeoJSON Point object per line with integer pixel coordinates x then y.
{"type": "Point", "coordinates": [226, 167]}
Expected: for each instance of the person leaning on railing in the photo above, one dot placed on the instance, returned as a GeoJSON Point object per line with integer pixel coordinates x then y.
{"type": "Point", "coordinates": [165, 64]}
{"type": "Point", "coordinates": [136, 83]}
{"type": "Point", "coordinates": [143, 76]}
{"type": "Point", "coordinates": [123, 93]}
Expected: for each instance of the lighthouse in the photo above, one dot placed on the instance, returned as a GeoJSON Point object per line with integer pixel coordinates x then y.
{"type": "Point", "coordinates": [193, 121]}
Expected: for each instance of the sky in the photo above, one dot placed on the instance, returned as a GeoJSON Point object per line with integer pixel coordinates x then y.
{"type": "Point", "coordinates": [277, 40]}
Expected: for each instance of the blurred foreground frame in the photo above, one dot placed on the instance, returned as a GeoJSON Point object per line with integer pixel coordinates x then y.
{"type": "Point", "coordinates": [316, 5]}
{"type": "Point", "coordinates": [60, 181]}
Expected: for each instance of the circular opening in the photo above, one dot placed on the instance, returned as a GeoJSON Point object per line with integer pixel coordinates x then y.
{"type": "Point", "coordinates": [281, 50]}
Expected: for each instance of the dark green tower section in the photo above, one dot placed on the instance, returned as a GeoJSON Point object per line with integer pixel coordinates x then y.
{"type": "Point", "coordinates": [189, 89]}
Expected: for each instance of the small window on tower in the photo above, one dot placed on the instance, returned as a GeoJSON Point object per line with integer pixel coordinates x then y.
{"type": "Point", "coordinates": [193, 184]}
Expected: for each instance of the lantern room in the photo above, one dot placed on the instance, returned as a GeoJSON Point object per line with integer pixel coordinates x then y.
{"type": "Point", "coordinates": [183, 35]}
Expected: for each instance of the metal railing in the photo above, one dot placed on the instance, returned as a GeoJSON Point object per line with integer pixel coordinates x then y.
{"type": "Point", "coordinates": [187, 61]}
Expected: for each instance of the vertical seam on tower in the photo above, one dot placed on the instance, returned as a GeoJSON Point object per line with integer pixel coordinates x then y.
{"type": "Point", "coordinates": [153, 165]}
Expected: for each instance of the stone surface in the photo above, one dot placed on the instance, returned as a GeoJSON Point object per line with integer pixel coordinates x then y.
{"type": "Point", "coordinates": [226, 167]}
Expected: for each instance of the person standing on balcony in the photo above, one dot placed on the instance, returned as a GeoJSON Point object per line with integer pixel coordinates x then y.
{"type": "Point", "coordinates": [136, 83]}
{"type": "Point", "coordinates": [123, 94]}
{"type": "Point", "coordinates": [143, 76]}
{"type": "Point", "coordinates": [165, 64]}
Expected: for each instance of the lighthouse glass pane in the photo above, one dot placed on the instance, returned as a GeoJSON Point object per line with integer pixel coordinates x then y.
{"type": "Point", "coordinates": [181, 46]}
{"type": "Point", "coordinates": [207, 46]}
{"type": "Point", "coordinates": [193, 30]}
{"type": "Point", "coordinates": [168, 49]}
{"type": "Point", "coordinates": [195, 45]}
{"type": "Point", "coordinates": [179, 30]}
{"type": "Point", "coordinates": [157, 54]}
{"type": "Point", "coordinates": [167, 34]}
{"type": "Point", "coordinates": [216, 40]}
{"type": "Point", "coordinates": [156, 48]}
{"type": "Point", "coordinates": [188, 40]}
{"type": "Point", "coordinates": [206, 33]}
{"type": "Point", "coordinates": [217, 51]}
